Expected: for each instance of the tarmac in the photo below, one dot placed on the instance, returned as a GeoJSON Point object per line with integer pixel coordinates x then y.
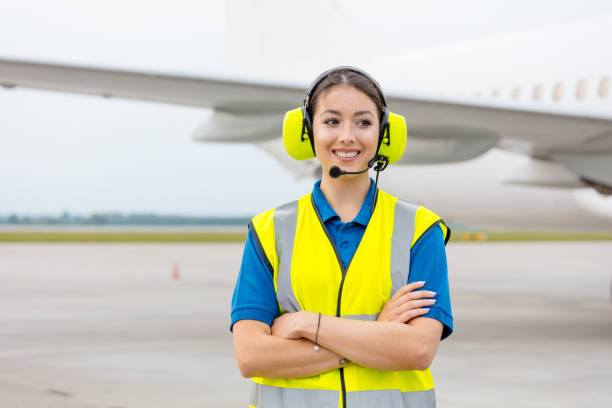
{"type": "Point", "coordinates": [147, 325]}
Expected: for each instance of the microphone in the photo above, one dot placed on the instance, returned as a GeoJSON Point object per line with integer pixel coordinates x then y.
{"type": "Point", "coordinates": [336, 171]}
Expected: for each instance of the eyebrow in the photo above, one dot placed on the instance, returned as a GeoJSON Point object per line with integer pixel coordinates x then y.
{"type": "Point", "coordinates": [363, 112]}
{"type": "Point", "coordinates": [335, 112]}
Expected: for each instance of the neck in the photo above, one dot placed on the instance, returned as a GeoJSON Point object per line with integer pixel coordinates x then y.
{"type": "Point", "coordinates": [346, 194]}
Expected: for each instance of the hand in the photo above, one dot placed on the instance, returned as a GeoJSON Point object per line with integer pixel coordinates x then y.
{"type": "Point", "coordinates": [407, 303]}
{"type": "Point", "coordinates": [290, 325]}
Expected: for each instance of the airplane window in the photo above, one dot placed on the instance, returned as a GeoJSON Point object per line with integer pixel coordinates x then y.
{"type": "Point", "coordinates": [516, 93]}
{"type": "Point", "coordinates": [604, 87]}
{"type": "Point", "coordinates": [558, 91]}
{"type": "Point", "coordinates": [581, 88]}
{"type": "Point", "coordinates": [537, 93]}
{"type": "Point", "coordinates": [495, 93]}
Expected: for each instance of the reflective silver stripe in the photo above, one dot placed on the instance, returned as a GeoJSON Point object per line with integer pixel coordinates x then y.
{"type": "Point", "coordinates": [403, 230]}
{"type": "Point", "coordinates": [391, 399]}
{"type": "Point", "coordinates": [366, 317]}
{"type": "Point", "coordinates": [285, 222]}
{"type": "Point", "coordinates": [267, 396]}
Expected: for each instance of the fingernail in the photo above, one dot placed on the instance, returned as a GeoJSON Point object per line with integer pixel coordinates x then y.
{"type": "Point", "coordinates": [422, 282]}
{"type": "Point", "coordinates": [425, 309]}
{"type": "Point", "coordinates": [432, 293]}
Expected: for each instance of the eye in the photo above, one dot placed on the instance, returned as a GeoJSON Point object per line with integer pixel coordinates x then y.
{"type": "Point", "coordinates": [331, 121]}
{"type": "Point", "coordinates": [364, 123]}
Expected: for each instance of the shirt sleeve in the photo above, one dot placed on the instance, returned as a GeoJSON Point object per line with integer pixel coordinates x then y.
{"type": "Point", "coordinates": [428, 263]}
{"type": "Point", "coordinates": [254, 296]}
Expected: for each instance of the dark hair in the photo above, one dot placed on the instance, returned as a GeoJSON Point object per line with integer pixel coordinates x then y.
{"type": "Point", "coordinates": [346, 77]}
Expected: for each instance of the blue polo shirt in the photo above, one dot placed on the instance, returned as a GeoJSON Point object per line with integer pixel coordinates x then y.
{"type": "Point", "coordinates": [254, 296]}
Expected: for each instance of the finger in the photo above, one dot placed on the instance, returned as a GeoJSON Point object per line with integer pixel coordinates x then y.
{"type": "Point", "coordinates": [403, 303]}
{"type": "Point", "coordinates": [413, 286]}
{"type": "Point", "coordinates": [391, 312]}
{"type": "Point", "coordinates": [420, 294]}
{"type": "Point", "coordinates": [407, 289]}
{"type": "Point", "coordinates": [401, 292]}
{"type": "Point", "coordinates": [415, 304]}
{"type": "Point", "coordinates": [411, 314]}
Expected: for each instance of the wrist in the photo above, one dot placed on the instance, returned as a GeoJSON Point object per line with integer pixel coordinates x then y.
{"type": "Point", "coordinates": [308, 328]}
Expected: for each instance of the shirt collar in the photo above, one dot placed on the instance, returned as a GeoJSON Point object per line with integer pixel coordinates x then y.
{"type": "Point", "coordinates": [327, 212]}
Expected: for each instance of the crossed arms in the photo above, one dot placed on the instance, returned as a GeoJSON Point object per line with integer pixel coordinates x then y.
{"type": "Point", "coordinates": [398, 340]}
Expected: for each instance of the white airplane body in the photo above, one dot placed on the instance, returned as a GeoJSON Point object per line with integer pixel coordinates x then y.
{"type": "Point", "coordinates": [563, 69]}
{"type": "Point", "coordinates": [508, 131]}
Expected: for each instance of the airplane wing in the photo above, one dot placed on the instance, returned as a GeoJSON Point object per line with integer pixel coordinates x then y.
{"type": "Point", "coordinates": [226, 95]}
{"type": "Point", "coordinates": [440, 130]}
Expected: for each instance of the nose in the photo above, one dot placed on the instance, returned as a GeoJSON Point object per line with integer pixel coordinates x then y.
{"type": "Point", "coordinates": [346, 135]}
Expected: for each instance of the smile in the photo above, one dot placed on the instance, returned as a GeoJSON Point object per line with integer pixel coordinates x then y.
{"type": "Point", "coordinates": [346, 155]}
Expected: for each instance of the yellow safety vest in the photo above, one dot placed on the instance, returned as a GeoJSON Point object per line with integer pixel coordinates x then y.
{"type": "Point", "coordinates": [309, 275]}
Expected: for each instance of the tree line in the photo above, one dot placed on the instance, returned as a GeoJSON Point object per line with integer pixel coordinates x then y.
{"type": "Point", "coordinates": [122, 219]}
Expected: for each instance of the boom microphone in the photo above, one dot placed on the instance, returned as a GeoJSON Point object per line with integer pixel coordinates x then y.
{"type": "Point", "coordinates": [380, 161]}
{"type": "Point", "coordinates": [336, 171]}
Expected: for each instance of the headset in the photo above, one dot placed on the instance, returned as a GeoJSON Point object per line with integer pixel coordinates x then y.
{"type": "Point", "coordinates": [299, 143]}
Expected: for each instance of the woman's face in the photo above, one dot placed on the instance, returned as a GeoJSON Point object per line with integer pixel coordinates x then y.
{"type": "Point", "coordinates": [345, 127]}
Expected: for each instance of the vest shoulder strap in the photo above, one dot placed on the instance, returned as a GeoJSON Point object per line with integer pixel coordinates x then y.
{"type": "Point", "coordinates": [274, 231]}
{"type": "Point", "coordinates": [262, 229]}
{"type": "Point", "coordinates": [426, 220]}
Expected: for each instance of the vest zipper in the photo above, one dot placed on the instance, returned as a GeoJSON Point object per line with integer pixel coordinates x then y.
{"type": "Point", "coordinates": [342, 384]}
{"type": "Point", "coordinates": [344, 270]}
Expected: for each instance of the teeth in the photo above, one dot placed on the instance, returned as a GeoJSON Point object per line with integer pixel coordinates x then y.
{"type": "Point", "coordinates": [347, 154]}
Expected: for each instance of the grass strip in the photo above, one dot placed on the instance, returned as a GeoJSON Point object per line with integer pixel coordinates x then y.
{"type": "Point", "coordinates": [93, 236]}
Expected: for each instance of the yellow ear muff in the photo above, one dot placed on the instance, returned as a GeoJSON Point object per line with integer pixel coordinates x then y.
{"type": "Point", "coordinates": [393, 142]}
{"type": "Point", "coordinates": [296, 137]}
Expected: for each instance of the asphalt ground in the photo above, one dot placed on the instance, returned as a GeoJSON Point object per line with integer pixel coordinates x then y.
{"type": "Point", "coordinates": [107, 325]}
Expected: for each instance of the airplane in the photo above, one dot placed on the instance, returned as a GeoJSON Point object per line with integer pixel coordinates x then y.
{"type": "Point", "coordinates": [512, 130]}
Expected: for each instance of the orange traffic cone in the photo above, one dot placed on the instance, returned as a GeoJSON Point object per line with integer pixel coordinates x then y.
{"type": "Point", "coordinates": [175, 272]}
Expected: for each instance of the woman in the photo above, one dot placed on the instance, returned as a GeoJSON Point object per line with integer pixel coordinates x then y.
{"type": "Point", "coordinates": [326, 310]}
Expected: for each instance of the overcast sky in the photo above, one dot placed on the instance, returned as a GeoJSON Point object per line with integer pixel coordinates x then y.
{"type": "Point", "coordinates": [87, 154]}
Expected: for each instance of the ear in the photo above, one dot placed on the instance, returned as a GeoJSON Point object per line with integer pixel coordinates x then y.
{"type": "Point", "coordinates": [297, 133]}
{"type": "Point", "coordinates": [393, 141]}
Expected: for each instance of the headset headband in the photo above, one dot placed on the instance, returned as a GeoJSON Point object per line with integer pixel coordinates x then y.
{"type": "Point", "coordinates": [325, 74]}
